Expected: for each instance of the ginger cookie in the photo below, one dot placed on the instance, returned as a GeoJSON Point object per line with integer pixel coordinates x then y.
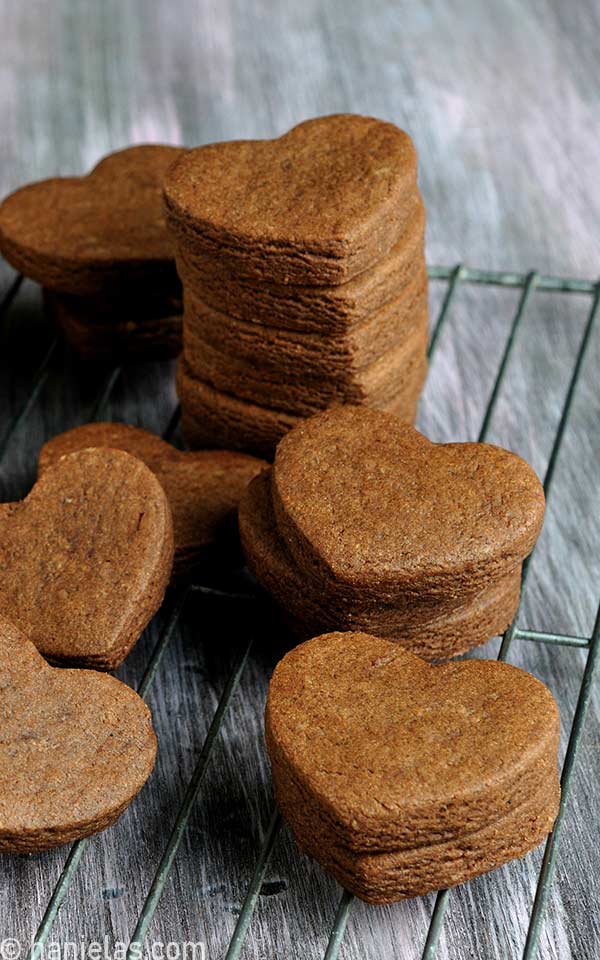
{"type": "Point", "coordinates": [364, 524]}
{"type": "Point", "coordinates": [203, 487]}
{"type": "Point", "coordinates": [304, 279]}
{"type": "Point", "coordinates": [103, 231]}
{"type": "Point", "coordinates": [295, 359]}
{"type": "Point", "coordinates": [401, 778]}
{"type": "Point", "coordinates": [316, 206]}
{"type": "Point", "coordinates": [76, 748]}
{"type": "Point", "coordinates": [212, 417]}
{"type": "Point", "coordinates": [99, 246]}
{"type": "Point", "coordinates": [375, 383]}
{"type": "Point", "coordinates": [303, 309]}
{"type": "Point", "coordinates": [86, 557]}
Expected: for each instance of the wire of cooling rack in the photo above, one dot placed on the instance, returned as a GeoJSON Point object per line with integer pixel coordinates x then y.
{"type": "Point", "coordinates": [529, 284]}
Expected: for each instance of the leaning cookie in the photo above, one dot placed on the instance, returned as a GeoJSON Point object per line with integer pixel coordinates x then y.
{"type": "Point", "coordinates": [100, 244]}
{"type": "Point", "coordinates": [86, 557]}
{"type": "Point", "coordinates": [76, 748]}
{"type": "Point", "coordinates": [401, 778]}
{"type": "Point", "coordinates": [364, 524]}
{"type": "Point", "coordinates": [203, 487]}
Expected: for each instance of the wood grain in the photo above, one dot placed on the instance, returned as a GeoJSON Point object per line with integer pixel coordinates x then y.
{"type": "Point", "coordinates": [502, 102]}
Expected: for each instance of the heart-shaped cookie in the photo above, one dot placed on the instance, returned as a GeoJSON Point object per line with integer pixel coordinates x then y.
{"type": "Point", "coordinates": [300, 356]}
{"type": "Point", "coordinates": [316, 206]}
{"type": "Point", "coordinates": [323, 311]}
{"type": "Point", "coordinates": [400, 777]}
{"type": "Point", "coordinates": [86, 557]}
{"type": "Point", "coordinates": [104, 232]}
{"type": "Point", "coordinates": [390, 533]}
{"type": "Point", "coordinates": [76, 747]}
{"type": "Point", "coordinates": [373, 501]}
{"type": "Point", "coordinates": [294, 390]}
{"type": "Point", "coordinates": [203, 487]}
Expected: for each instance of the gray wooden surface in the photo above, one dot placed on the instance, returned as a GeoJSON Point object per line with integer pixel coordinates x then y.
{"type": "Point", "coordinates": [502, 101]}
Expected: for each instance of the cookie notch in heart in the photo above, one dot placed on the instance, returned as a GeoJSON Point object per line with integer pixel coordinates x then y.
{"type": "Point", "coordinates": [76, 748]}
{"type": "Point", "coordinates": [203, 487]}
{"type": "Point", "coordinates": [364, 524]}
{"type": "Point", "coordinates": [86, 557]}
{"type": "Point", "coordinates": [99, 246]}
{"type": "Point", "coordinates": [318, 205]}
{"type": "Point", "coordinates": [401, 778]}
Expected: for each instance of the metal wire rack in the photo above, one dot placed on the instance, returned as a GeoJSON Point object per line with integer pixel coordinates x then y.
{"type": "Point", "coordinates": [453, 277]}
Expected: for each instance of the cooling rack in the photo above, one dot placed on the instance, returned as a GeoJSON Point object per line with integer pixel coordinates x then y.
{"type": "Point", "coordinates": [527, 284]}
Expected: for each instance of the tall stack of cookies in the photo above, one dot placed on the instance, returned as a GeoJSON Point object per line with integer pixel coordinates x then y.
{"type": "Point", "coordinates": [304, 279]}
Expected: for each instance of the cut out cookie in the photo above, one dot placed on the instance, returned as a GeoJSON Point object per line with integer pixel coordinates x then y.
{"type": "Point", "coordinates": [316, 206]}
{"type": "Point", "coordinates": [324, 311]}
{"type": "Point", "coordinates": [86, 557]}
{"type": "Point", "coordinates": [86, 235]}
{"type": "Point", "coordinates": [363, 523]}
{"type": "Point", "coordinates": [76, 748]}
{"type": "Point", "coordinates": [117, 328]}
{"type": "Point", "coordinates": [99, 246]}
{"type": "Point", "coordinates": [400, 777]}
{"type": "Point", "coordinates": [203, 487]}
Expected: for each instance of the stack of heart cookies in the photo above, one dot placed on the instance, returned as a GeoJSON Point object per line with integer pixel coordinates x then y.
{"type": "Point", "coordinates": [363, 524]}
{"type": "Point", "coordinates": [304, 279]}
{"type": "Point", "coordinates": [400, 777]}
{"type": "Point", "coordinates": [99, 247]}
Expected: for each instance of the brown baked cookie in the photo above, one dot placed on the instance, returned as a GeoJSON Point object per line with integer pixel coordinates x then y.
{"type": "Point", "coordinates": [290, 390]}
{"type": "Point", "coordinates": [325, 311]}
{"type": "Point", "coordinates": [97, 233]}
{"type": "Point", "coordinates": [284, 355]}
{"type": "Point", "coordinates": [76, 748]}
{"type": "Point", "coordinates": [213, 418]}
{"type": "Point", "coordinates": [401, 778]}
{"type": "Point", "coordinates": [316, 206]}
{"type": "Point", "coordinates": [363, 523]}
{"type": "Point", "coordinates": [86, 557]}
{"type": "Point", "coordinates": [99, 246]}
{"type": "Point", "coordinates": [203, 487]}
{"type": "Point", "coordinates": [310, 606]}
